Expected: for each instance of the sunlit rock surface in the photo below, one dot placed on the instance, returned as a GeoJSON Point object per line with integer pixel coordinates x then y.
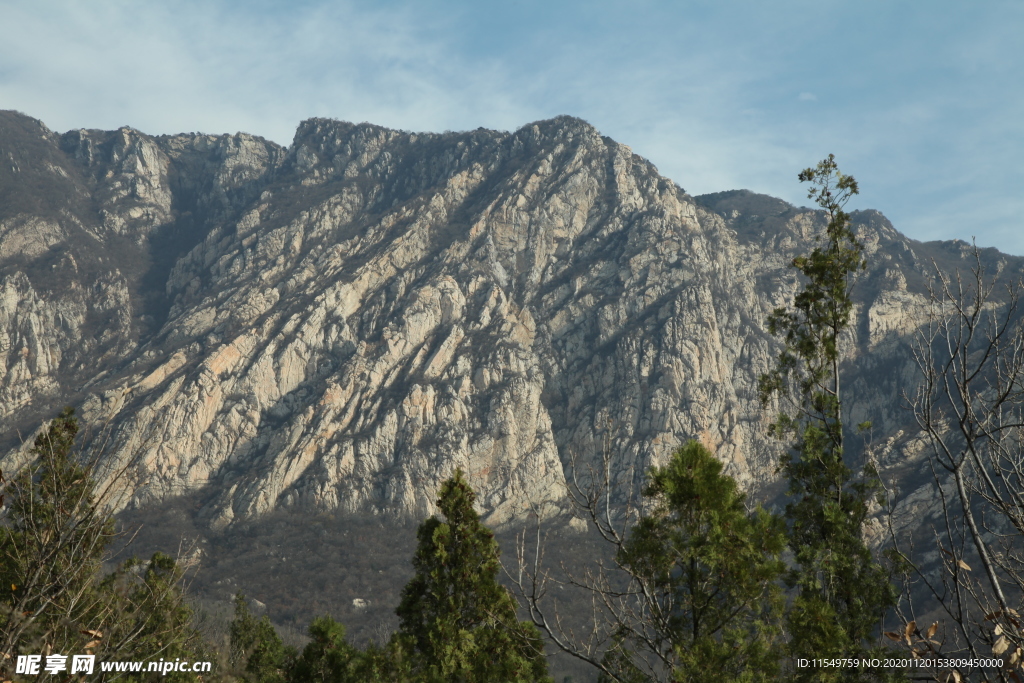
{"type": "Point", "coordinates": [341, 324]}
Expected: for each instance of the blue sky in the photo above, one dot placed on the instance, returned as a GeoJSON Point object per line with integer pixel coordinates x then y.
{"type": "Point", "coordinates": [922, 101]}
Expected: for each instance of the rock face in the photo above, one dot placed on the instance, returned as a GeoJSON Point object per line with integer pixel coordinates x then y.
{"type": "Point", "coordinates": [343, 323]}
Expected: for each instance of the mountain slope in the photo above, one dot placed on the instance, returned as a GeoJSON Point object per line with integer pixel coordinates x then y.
{"type": "Point", "coordinates": [340, 324]}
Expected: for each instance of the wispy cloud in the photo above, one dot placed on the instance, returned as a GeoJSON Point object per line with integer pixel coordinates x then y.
{"type": "Point", "coordinates": [188, 66]}
{"type": "Point", "coordinates": [917, 101]}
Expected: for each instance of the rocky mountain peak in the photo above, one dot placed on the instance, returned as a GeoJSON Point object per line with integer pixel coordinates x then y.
{"type": "Point", "coordinates": [341, 324]}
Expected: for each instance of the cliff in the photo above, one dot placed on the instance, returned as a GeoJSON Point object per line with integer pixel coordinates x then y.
{"type": "Point", "coordinates": [340, 324]}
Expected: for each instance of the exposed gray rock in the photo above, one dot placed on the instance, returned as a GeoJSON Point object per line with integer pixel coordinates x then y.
{"type": "Point", "coordinates": [342, 324]}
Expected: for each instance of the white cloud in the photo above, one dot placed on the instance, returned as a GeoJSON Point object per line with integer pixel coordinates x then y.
{"type": "Point", "coordinates": [917, 107]}
{"type": "Point", "coordinates": [163, 69]}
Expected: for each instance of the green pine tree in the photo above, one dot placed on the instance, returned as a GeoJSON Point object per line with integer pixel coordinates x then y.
{"type": "Point", "coordinates": [145, 616]}
{"type": "Point", "coordinates": [328, 658]}
{"type": "Point", "coordinates": [257, 651]}
{"type": "Point", "coordinates": [52, 544]}
{"type": "Point", "coordinates": [259, 656]}
{"type": "Point", "coordinates": [387, 664]}
{"type": "Point", "coordinates": [842, 592]}
{"type": "Point", "coordinates": [458, 624]}
{"type": "Point", "coordinates": [714, 570]}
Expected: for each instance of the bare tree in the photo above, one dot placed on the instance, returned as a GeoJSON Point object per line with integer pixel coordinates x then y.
{"type": "Point", "coordinates": [693, 580]}
{"type": "Point", "coordinates": [970, 407]}
{"type": "Point", "coordinates": [619, 602]}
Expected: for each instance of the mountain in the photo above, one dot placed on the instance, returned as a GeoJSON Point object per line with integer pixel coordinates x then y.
{"type": "Point", "coordinates": [340, 324]}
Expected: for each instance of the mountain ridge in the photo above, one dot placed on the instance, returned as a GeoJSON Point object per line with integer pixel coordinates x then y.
{"type": "Point", "coordinates": [339, 324]}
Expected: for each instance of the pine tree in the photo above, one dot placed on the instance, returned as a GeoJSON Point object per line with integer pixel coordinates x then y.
{"type": "Point", "coordinates": [843, 592]}
{"type": "Point", "coordinates": [713, 569]}
{"type": "Point", "coordinates": [144, 615]}
{"type": "Point", "coordinates": [383, 664]}
{"type": "Point", "coordinates": [256, 649]}
{"type": "Point", "coordinates": [328, 658]}
{"type": "Point", "coordinates": [458, 624]}
{"type": "Point", "coordinates": [52, 543]}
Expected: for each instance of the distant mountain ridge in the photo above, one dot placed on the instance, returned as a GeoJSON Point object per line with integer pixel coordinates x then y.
{"type": "Point", "coordinates": [340, 324]}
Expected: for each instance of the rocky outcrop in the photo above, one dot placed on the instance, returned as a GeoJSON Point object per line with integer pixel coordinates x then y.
{"type": "Point", "coordinates": [87, 220]}
{"type": "Point", "coordinates": [342, 324]}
